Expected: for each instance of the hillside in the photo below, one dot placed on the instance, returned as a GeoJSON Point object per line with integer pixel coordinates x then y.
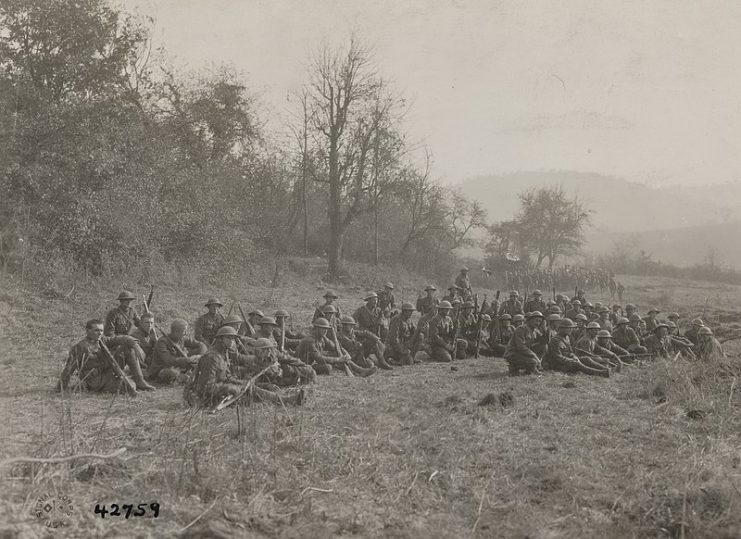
{"type": "Point", "coordinates": [681, 246]}
{"type": "Point", "coordinates": [619, 205]}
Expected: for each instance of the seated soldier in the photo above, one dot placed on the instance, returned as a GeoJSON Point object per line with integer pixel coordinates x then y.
{"type": "Point", "coordinates": [281, 332]}
{"type": "Point", "coordinates": [708, 347]}
{"type": "Point", "coordinates": [369, 316]}
{"type": "Point", "coordinates": [561, 357]}
{"type": "Point", "coordinates": [371, 344]}
{"type": "Point", "coordinates": [468, 326]}
{"type": "Point", "coordinates": [691, 333]}
{"type": "Point", "coordinates": [605, 340]}
{"type": "Point", "coordinates": [319, 352]}
{"type": "Point", "coordinates": [519, 353]}
{"type": "Point", "coordinates": [441, 336]}
{"type": "Point", "coordinates": [253, 319]}
{"type": "Point", "coordinates": [350, 341]}
{"type": "Point", "coordinates": [246, 333]}
{"type": "Point", "coordinates": [659, 344]}
{"type": "Point", "coordinates": [635, 322]}
{"type": "Point", "coordinates": [425, 304]}
{"type": "Point", "coordinates": [651, 321]}
{"type": "Point", "coordinates": [501, 335]}
{"type": "Point", "coordinates": [588, 346]}
{"type": "Point", "coordinates": [92, 362]}
{"type": "Point", "coordinates": [146, 337]}
{"type": "Point", "coordinates": [208, 324]}
{"type": "Point", "coordinates": [401, 336]}
{"type": "Point", "coordinates": [625, 337]}
{"type": "Point", "coordinates": [422, 333]}
{"type": "Point", "coordinates": [681, 344]}
{"type": "Point", "coordinates": [604, 319]}
{"type": "Point", "coordinates": [518, 320]}
{"type": "Point", "coordinates": [174, 355]}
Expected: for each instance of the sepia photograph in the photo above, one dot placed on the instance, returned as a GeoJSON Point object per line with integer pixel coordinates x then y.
{"type": "Point", "coordinates": [396, 269]}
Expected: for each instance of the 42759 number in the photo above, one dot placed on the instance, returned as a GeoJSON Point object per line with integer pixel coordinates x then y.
{"type": "Point", "coordinates": [127, 510]}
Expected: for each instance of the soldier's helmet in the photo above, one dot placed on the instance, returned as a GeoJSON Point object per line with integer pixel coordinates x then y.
{"type": "Point", "coordinates": [267, 321]}
{"type": "Point", "coordinates": [518, 318]}
{"type": "Point", "coordinates": [593, 325]}
{"type": "Point", "coordinates": [604, 334]}
{"type": "Point", "coordinates": [576, 302]}
{"type": "Point", "coordinates": [281, 314]}
{"type": "Point", "coordinates": [226, 331]}
{"type": "Point", "coordinates": [671, 325]}
{"type": "Point", "coordinates": [214, 301]}
{"type": "Point", "coordinates": [555, 309]}
{"type": "Point", "coordinates": [328, 309]}
{"type": "Point", "coordinates": [464, 268]}
{"type": "Point", "coordinates": [673, 316]}
{"type": "Point", "coordinates": [554, 317]}
{"type": "Point", "coordinates": [537, 293]}
{"type": "Point", "coordinates": [698, 322]}
{"type": "Point", "coordinates": [430, 288]}
{"type": "Point", "coordinates": [653, 310]}
{"type": "Point", "coordinates": [456, 301]}
{"type": "Point", "coordinates": [616, 307]}
{"type": "Point", "coordinates": [256, 312]}
{"type": "Point", "coordinates": [581, 316]}
{"type": "Point", "coordinates": [263, 343]}
{"type": "Point", "coordinates": [321, 323]}
{"type": "Point", "coordinates": [621, 321]}
{"type": "Point", "coordinates": [389, 285]}
{"type": "Point", "coordinates": [603, 310]}
{"type": "Point", "coordinates": [704, 330]}
{"type": "Point", "coordinates": [566, 323]}
{"type": "Point", "coordinates": [630, 307]}
{"type": "Point", "coordinates": [331, 294]}
{"type": "Point", "coordinates": [406, 306]}
{"type": "Point", "coordinates": [125, 295]}
{"type": "Point", "coordinates": [635, 317]}
{"type": "Point", "coordinates": [588, 304]}
{"type": "Point", "coordinates": [232, 319]}
{"type": "Point", "coordinates": [513, 294]}
{"type": "Point", "coordinates": [370, 296]}
{"type": "Point", "coordinates": [346, 319]}
{"type": "Point", "coordinates": [534, 314]}
{"type": "Point", "coordinates": [445, 304]}
{"type": "Point", "coordinates": [598, 305]}
{"type": "Point", "coordinates": [505, 316]}
{"type": "Point", "coordinates": [452, 287]}
{"type": "Point", "coordinates": [660, 325]}
{"type": "Point", "coordinates": [486, 318]}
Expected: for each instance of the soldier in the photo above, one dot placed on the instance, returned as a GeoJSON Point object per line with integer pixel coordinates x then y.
{"type": "Point", "coordinates": [253, 317]}
{"type": "Point", "coordinates": [239, 326]}
{"type": "Point", "coordinates": [579, 296]}
{"type": "Point", "coordinates": [168, 366]}
{"type": "Point", "coordinates": [424, 305]}
{"type": "Point", "coordinates": [659, 344]}
{"type": "Point", "coordinates": [626, 337]}
{"type": "Point", "coordinates": [146, 338]}
{"type": "Point", "coordinates": [278, 374]}
{"type": "Point", "coordinates": [620, 291]}
{"type": "Point", "coordinates": [708, 347]}
{"type": "Point", "coordinates": [441, 336]}
{"type": "Point", "coordinates": [468, 326]}
{"type": "Point", "coordinates": [351, 342]}
{"type": "Point", "coordinates": [94, 369]}
{"type": "Point", "coordinates": [604, 319]}
{"type": "Point", "coordinates": [589, 346]}
{"type": "Point", "coordinates": [452, 294]}
{"type": "Point", "coordinates": [681, 344]}
{"type": "Point", "coordinates": [519, 353]}
{"type": "Point", "coordinates": [292, 340]}
{"type": "Point", "coordinates": [386, 299]}
{"type": "Point", "coordinates": [561, 356]}
{"type": "Point", "coordinates": [329, 298]}
{"type": "Point", "coordinates": [369, 315]}
{"type": "Point", "coordinates": [536, 303]}
{"type": "Point", "coordinates": [580, 329]}
{"type": "Point", "coordinates": [208, 324]}
{"type": "Point", "coordinates": [120, 320]}
{"type": "Point", "coordinates": [605, 340]}
{"type": "Point", "coordinates": [464, 284]}
{"type": "Point", "coordinates": [613, 288]}
{"type": "Point", "coordinates": [512, 306]}
{"type": "Point", "coordinates": [501, 336]}
{"type": "Point", "coordinates": [315, 349]}
{"type": "Point", "coordinates": [518, 320]}
{"type": "Point", "coordinates": [575, 309]}
{"type": "Point", "coordinates": [651, 321]}
{"type": "Point", "coordinates": [691, 333]}
{"type": "Point", "coordinates": [615, 314]}
{"type": "Point", "coordinates": [636, 324]}
{"type": "Point", "coordinates": [673, 317]}
{"type": "Point", "coordinates": [401, 336]}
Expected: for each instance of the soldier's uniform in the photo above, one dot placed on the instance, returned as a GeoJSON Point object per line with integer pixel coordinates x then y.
{"type": "Point", "coordinates": [499, 339]}
{"type": "Point", "coordinates": [440, 337]}
{"type": "Point", "coordinates": [626, 337]}
{"type": "Point", "coordinates": [368, 319]}
{"type": "Point", "coordinates": [464, 284]}
{"type": "Point", "coordinates": [708, 347]}
{"type": "Point", "coordinates": [425, 304]}
{"type": "Point", "coordinates": [659, 347]}
{"type": "Point", "coordinates": [120, 321]}
{"type": "Point", "coordinates": [519, 353]}
{"type": "Point", "coordinates": [386, 299]}
{"type": "Point", "coordinates": [206, 327]}
{"type": "Point", "coordinates": [319, 352]}
{"type": "Point", "coordinates": [146, 344]}
{"type": "Point", "coordinates": [511, 307]}
{"type": "Point", "coordinates": [535, 304]}
{"type": "Point", "coordinates": [213, 379]}
{"type": "Point", "coordinates": [401, 339]}
{"type": "Point", "coordinates": [560, 355]}
{"type": "Point", "coordinates": [167, 366]}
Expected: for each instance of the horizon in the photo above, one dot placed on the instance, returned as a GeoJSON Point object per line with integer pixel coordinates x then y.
{"type": "Point", "coordinates": [645, 92]}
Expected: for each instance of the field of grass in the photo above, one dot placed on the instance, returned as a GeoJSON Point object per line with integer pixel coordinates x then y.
{"type": "Point", "coordinates": [416, 452]}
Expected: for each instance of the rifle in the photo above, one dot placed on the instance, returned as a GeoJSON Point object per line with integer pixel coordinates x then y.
{"type": "Point", "coordinates": [340, 350]}
{"type": "Point", "coordinates": [244, 319]}
{"type": "Point", "coordinates": [116, 368]}
{"type": "Point", "coordinates": [479, 327]}
{"type": "Point", "coordinates": [175, 345]}
{"type": "Point", "coordinates": [229, 400]}
{"type": "Point", "coordinates": [282, 345]}
{"type": "Point", "coordinates": [149, 299]}
{"type": "Point", "coordinates": [147, 311]}
{"type": "Point", "coordinates": [554, 293]}
{"type": "Point", "coordinates": [497, 325]}
{"type": "Point", "coordinates": [230, 310]}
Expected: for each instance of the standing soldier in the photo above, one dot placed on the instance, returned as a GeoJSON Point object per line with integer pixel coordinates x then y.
{"type": "Point", "coordinates": [464, 284]}
{"type": "Point", "coordinates": [512, 306]}
{"type": "Point", "coordinates": [208, 324]}
{"type": "Point", "coordinates": [613, 289]}
{"type": "Point", "coordinates": [329, 298]}
{"type": "Point", "coordinates": [401, 336]}
{"type": "Point", "coordinates": [120, 320]}
{"type": "Point", "coordinates": [386, 299]}
{"type": "Point", "coordinates": [168, 365]}
{"type": "Point", "coordinates": [519, 353]}
{"type": "Point", "coordinates": [424, 305]}
{"type": "Point", "coordinates": [536, 303]}
{"type": "Point", "coordinates": [620, 291]}
{"type": "Point", "coordinates": [88, 358]}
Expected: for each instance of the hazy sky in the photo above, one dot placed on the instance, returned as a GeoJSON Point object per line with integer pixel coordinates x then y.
{"type": "Point", "coordinates": [648, 90]}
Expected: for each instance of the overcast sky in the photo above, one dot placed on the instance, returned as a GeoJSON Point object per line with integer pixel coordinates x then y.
{"type": "Point", "coordinates": [647, 90]}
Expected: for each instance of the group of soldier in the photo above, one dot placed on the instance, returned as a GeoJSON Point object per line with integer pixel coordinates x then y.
{"type": "Point", "coordinates": [252, 356]}
{"type": "Point", "coordinates": [591, 279]}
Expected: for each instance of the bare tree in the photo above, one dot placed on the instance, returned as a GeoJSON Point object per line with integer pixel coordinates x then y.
{"type": "Point", "coordinates": [464, 215]}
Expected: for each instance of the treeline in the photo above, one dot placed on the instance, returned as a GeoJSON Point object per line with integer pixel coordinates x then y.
{"type": "Point", "coordinates": [109, 157]}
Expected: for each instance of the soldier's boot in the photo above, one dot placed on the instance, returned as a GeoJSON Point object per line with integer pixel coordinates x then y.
{"type": "Point", "coordinates": [136, 373]}
{"type": "Point", "coordinates": [363, 372]}
{"type": "Point", "coordinates": [381, 362]}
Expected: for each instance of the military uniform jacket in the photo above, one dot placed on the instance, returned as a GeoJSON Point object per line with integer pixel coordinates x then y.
{"type": "Point", "coordinates": [591, 346]}
{"type": "Point", "coordinates": [605, 324]}
{"type": "Point", "coordinates": [659, 347]}
{"type": "Point", "coordinates": [535, 305]}
{"type": "Point", "coordinates": [119, 322]}
{"type": "Point", "coordinates": [505, 334]}
{"type": "Point", "coordinates": [400, 332]}
{"type": "Point", "coordinates": [165, 355]}
{"type": "Point", "coordinates": [313, 349]}
{"type": "Point", "coordinates": [691, 335]}
{"type": "Point", "coordinates": [368, 319]}
{"type": "Point", "coordinates": [319, 314]}
{"type": "Point", "coordinates": [463, 282]}
{"type": "Point", "coordinates": [625, 337]}
{"type": "Point", "coordinates": [559, 350]}
{"type": "Point", "coordinates": [651, 324]}
{"type": "Point", "coordinates": [386, 301]}
{"type": "Point", "coordinates": [521, 342]}
{"type": "Point", "coordinates": [206, 327]}
{"type": "Point", "coordinates": [468, 326]}
{"type": "Point", "coordinates": [212, 375]}
{"type": "Point", "coordinates": [425, 304]}
{"type": "Point", "coordinates": [88, 359]}
{"type": "Point", "coordinates": [146, 341]}
{"type": "Point", "coordinates": [441, 331]}
{"type": "Point", "coordinates": [511, 308]}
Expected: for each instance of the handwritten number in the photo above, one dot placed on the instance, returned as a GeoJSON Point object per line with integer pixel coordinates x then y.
{"type": "Point", "coordinates": [156, 508]}
{"type": "Point", "coordinates": [102, 511]}
{"type": "Point", "coordinates": [140, 510]}
{"type": "Point", "coordinates": [128, 508]}
{"type": "Point", "coordinates": [114, 510]}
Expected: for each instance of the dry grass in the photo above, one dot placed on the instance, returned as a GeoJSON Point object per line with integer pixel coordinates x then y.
{"type": "Point", "coordinates": [415, 452]}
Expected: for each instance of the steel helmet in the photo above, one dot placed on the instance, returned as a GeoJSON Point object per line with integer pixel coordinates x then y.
{"type": "Point", "coordinates": [262, 343]}
{"type": "Point", "coordinates": [593, 325]}
{"type": "Point", "coordinates": [321, 323]}
{"type": "Point", "coordinates": [226, 331]}
{"type": "Point", "coordinates": [347, 319]}
{"type": "Point", "coordinates": [604, 334]}
{"type": "Point", "coordinates": [444, 305]}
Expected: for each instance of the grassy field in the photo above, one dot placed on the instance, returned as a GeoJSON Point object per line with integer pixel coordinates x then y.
{"type": "Point", "coordinates": [416, 452]}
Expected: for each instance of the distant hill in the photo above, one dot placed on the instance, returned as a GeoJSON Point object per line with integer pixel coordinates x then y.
{"type": "Point", "coordinates": [619, 205]}
{"type": "Point", "coordinates": [682, 246]}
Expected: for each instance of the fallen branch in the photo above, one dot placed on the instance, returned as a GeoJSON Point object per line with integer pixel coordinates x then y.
{"type": "Point", "coordinates": [63, 459]}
